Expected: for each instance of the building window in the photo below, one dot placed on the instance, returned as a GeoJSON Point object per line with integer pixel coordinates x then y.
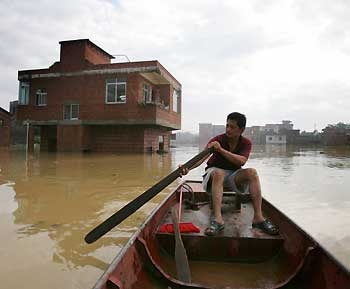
{"type": "Point", "coordinates": [71, 111]}
{"type": "Point", "coordinates": [41, 97]}
{"type": "Point", "coordinates": [116, 90]}
{"type": "Point", "coordinates": [1, 122]}
{"type": "Point", "coordinates": [175, 101]}
{"type": "Point", "coordinates": [147, 93]}
{"type": "Point", "coordinates": [280, 138]}
{"type": "Point", "coordinates": [23, 98]}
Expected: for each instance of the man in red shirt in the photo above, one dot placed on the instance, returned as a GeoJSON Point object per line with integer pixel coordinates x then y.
{"type": "Point", "coordinates": [224, 170]}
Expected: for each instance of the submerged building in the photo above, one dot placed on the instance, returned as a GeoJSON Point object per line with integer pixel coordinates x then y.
{"type": "Point", "coordinates": [5, 128]}
{"type": "Point", "coordinates": [84, 102]}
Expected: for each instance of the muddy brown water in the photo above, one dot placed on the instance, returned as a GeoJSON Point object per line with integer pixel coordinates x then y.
{"type": "Point", "coordinates": [48, 202]}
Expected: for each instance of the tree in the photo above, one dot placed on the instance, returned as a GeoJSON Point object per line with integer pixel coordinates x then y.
{"type": "Point", "coordinates": [339, 125]}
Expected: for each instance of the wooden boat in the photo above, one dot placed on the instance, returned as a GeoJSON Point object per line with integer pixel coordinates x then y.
{"type": "Point", "coordinates": [239, 257]}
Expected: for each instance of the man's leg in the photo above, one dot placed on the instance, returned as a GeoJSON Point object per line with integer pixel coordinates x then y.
{"type": "Point", "coordinates": [217, 183]}
{"type": "Point", "coordinates": [250, 176]}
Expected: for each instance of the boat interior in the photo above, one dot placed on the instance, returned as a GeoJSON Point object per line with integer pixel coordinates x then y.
{"type": "Point", "coordinates": [238, 257]}
{"type": "Point", "coordinates": [239, 254]}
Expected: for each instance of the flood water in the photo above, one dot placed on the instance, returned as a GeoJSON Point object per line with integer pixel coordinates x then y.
{"type": "Point", "coordinates": [48, 202]}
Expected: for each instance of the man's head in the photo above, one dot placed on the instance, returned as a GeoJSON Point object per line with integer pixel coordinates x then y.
{"type": "Point", "coordinates": [235, 124]}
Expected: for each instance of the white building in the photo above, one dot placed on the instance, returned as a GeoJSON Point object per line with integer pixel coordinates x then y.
{"type": "Point", "coordinates": [276, 139]}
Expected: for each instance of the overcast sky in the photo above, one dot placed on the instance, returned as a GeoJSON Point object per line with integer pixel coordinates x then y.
{"type": "Point", "coordinates": [270, 59]}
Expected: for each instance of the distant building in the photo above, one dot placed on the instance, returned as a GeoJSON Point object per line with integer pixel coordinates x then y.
{"type": "Point", "coordinates": [5, 128]}
{"type": "Point", "coordinates": [85, 102]}
{"type": "Point", "coordinates": [208, 131]}
{"type": "Point", "coordinates": [276, 127]}
{"type": "Point", "coordinates": [205, 133]}
{"type": "Point", "coordinates": [336, 136]}
{"type": "Point", "coordinates": [276, 139]}
{"type": "Point", "coordinates": [292, 135]}
{"type": "Point", "coordinates": [273, 133]}
{"type": "Point", "coordinates": [256, 134]}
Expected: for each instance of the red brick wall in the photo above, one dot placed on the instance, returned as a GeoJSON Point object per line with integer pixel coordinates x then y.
{"type": "Point", "coordinates": [117, 138]}
{"type": "Point", "coordinates": [165, 94]}
{"type": "Point", "coordinates": [96, 56]}
{"type": "Point", "coordinates": [73, 138]}
{"type": "Point", "coordinates": [86, 138]}
{"type": "Point", "coordinates": [72, 55]}
{"type": "Point", "coordinates": [44, 138]}
{"type": "Point", "coordinates": [151, 139]}
{"type": "Point", "coordinates": [48, 138]}
{"type": "Point", "coordinates": [127, 139]}
{"type": "Point", "coordinates": [5, 129]}
{"type": "Point", "coordinates": [69, 138]}
{"type": "Point", "coordinates": [105, 138]}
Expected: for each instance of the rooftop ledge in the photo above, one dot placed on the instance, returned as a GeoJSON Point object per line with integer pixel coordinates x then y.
{"type": "Point", "coordinates": [153, 73]}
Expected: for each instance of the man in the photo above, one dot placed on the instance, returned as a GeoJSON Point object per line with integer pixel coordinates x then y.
{"type": "Point", "coordinates": [224, 170]}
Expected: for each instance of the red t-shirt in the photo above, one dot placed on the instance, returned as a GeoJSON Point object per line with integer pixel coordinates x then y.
{"type": "Point", "coordinates": [217, 160]}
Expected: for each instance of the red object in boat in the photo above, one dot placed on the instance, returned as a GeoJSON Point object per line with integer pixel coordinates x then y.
{"type": "Point", "coordinates": [184, 228]}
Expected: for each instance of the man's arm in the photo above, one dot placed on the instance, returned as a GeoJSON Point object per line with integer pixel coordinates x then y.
{"type": "Point", "coordinates": [236, 159]}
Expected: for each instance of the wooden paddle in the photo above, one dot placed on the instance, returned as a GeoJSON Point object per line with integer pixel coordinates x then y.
{"type": "Point", "coordinates": [135, 204]}
{"type": "Point", "coordinates": [182, 267]}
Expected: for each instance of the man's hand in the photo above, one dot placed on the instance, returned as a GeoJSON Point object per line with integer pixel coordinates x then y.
{"type": "Point", "coordinates": [216, 145]}
{"type": "Point", "coordinates": [184, 171]}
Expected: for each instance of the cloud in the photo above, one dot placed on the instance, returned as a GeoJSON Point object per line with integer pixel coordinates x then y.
{"type": "Point", "coordinates": [284, 59]}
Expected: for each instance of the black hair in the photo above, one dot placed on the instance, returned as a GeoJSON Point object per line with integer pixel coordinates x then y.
{"type": "Point", "coordinates": [239, 118]}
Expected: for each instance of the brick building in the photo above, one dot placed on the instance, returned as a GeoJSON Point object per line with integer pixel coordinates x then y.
{"type": "Point", "coordinates": [85, 102]}
{"type": "Point", "coordinates": [5, 128]}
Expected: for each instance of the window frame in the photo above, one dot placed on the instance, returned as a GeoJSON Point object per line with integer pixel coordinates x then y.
{"type": "Point", "coordinates": [122, 81]}
{"type": "Point", "coordinates": [41, 94]}
{"type": "Point", "coordinates": [71, 111]}
{"type": "Point", "coordinates": [2, 122]}
{"type": "Point", "coordinates": [23, 86]}
{"type": "Point", "coordinates": [147, 92]}
{"type": "Point", "coordinates": [177, 94]}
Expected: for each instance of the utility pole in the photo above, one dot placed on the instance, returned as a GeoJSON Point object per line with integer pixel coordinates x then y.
{"type": "Point", "coordinates": [27, 145]}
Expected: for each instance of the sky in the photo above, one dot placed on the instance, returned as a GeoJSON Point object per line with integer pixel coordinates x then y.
{"type": "Point", "coordinates": [272, 60]}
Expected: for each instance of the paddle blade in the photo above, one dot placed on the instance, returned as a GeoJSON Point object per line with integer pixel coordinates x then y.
{"type": "Point", "coordinates": [182, 266]}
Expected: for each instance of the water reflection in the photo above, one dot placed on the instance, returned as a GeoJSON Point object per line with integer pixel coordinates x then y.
{"type": "Point", "coordinates": [48, 202]}
{"type": "Point", "coordinates": [63, 196]}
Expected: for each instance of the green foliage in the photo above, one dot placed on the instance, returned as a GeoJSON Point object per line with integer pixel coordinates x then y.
{"type": "Point", "coordinates": [339, 125]}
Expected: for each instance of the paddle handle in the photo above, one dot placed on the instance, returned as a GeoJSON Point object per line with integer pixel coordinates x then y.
{"type": "Point", "coordinates": [135, 204]}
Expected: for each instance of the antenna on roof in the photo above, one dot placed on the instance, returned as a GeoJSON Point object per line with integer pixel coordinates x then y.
{"type": "Point", "coordinates": [123, 55]}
